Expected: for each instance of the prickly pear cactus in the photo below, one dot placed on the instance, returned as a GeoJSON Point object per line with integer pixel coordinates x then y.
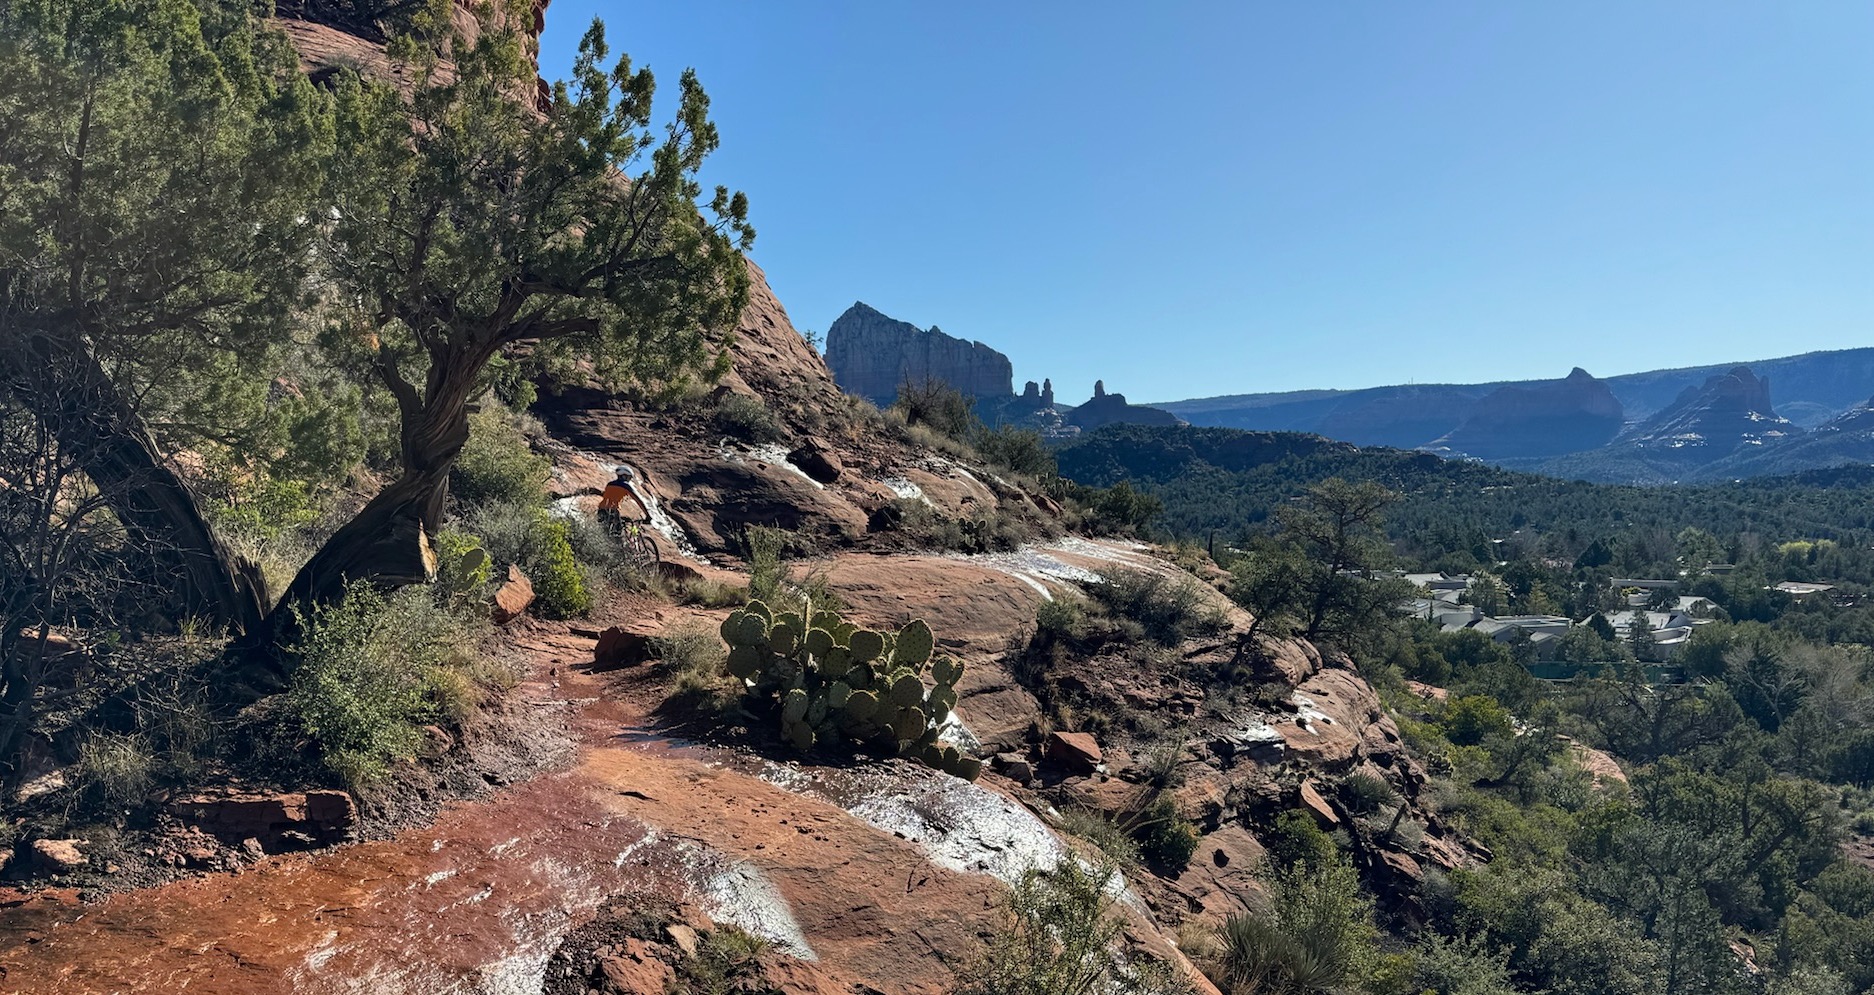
{"type": "Point", "coordinates": [829, 681]}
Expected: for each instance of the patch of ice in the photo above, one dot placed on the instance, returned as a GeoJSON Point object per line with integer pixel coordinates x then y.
{"type": "Point", "coordinates": [776, 456]}
{"type": "Point", "coordinates": [1309, 712]}
{"type": "Point", "coordinates": [906, 489]}
{"type": "Point", "coordinates": [739, 893]}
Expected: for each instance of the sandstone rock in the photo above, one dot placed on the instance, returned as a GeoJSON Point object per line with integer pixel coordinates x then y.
{"type": "Point", "coordinates": [234, 817]}
{"type": "Point", "coordinates": [871, 354]}
{"type": "Point", "coordinates": [1015, 767]}
{"type": "Point", "coordinates": [59, 856]}
{"type": "Point", "coordinates": [637, 969]}
{"type": "Point", "coordinates": [621, 647]}
{"type": "Point", "coordinates": [1076, 751]}
{"type": "Point", "coordinates": [436, 743]}
{"type": "Point", "coordinates": [1317, 806]}
{"type": "Point", "coordinates": [513, 597]}
{"type": "Point", "coordinates": [817, 460]}
{"type": "Point", "coordinates": [684, 937]}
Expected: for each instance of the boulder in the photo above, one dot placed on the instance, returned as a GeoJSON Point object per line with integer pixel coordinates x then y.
{"type": "Point", "coordinates": [816, 459]}
{"type": "Point", "coordinates": [1317, 806]}
{"type": "Point", "coordinates": [59, 856]}
{"type": "Point", "coordinates": [621, 647]}
{"type": "Point", "coordinates": [513, 597]}
{"type": "Point", "coordinates": [1078, 752]}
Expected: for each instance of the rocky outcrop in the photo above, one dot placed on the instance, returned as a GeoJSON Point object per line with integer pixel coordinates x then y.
{"type": "Point", "coordinates": [1112, 409]}
{"type": "Point", "coordinates": [1541, 419]}
{"type": "Point", "coordinates": [872, 354]}
{"type": "Point", "coordinates": [1727, 411]}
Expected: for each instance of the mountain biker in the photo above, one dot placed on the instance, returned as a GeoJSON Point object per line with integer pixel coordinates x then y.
{"type": "Point", "coordinates": [614, 496]}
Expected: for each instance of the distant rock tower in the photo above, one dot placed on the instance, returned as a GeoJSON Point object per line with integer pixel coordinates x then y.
{"type": "Point", "coordinates": [1047, 393]}
{"type": "Point", "coordinates": [1099, 389]}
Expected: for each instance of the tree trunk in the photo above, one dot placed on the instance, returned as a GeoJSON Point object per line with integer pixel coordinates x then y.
{"type": "Point", "coordinates": [66, 386]}
{"type": "Point", "coordinates": [388, 542]}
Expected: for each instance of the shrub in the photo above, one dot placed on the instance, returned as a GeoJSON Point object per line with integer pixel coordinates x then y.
{"type": "Point", "coordinates": [360, 687]}
{"type": "Point", "coordinates": [712, 594]}
{"type": "Point", "coordinates": [746, 417]}
{"type": "Point", "coordinates": [1297, 842]}
{"type": "Point", "coordinates": [693, 655]}
{"type": "Point", "coordinates": [1107, 836]}
{"type": "Point", "coordinates": [115, 769]}
{"type": "Point", "coordinates": [1058, 936]}
{"type": "Point", "coordinates": [1015, 450]}
{"type": "Point", "coordinates": [937, 405]}
{"type": "Point", "coordinates": [1119, 509]}
{"type": "Point", "coordinates": [1319, 937]}
{"type": "Point", "coordinates": [766, 572]}
{"type": "Point", "coordinates": [497, 464]}
{"type": "Point", "coordinates": [1165, 837]}
{"type": "Point", "coordinates": [1460, 967]}
{"type": "Point", "coordinates": [1168, 611]}
{"type": "Point", "coordinates": [1362, 793]}
{"type": "Point", "coordinates": [1061, 618]}
{"type": "Point", "coordinates": [559, 585]}
{"type": "Point", "coordinates": [1470, 719]}
{"type": "Point", "coordinates": [463, 568]}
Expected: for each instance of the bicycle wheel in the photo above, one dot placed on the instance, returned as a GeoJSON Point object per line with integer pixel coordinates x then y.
{"type": "Point", "coordinates": [641, 550]}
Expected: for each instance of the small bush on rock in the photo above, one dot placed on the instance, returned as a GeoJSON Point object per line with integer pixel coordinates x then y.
{"type": "Point", "coordinates": [1165, 837]}
{"type": "Point", "coordinates": [1167, 611]}
{"type": "Point", "coordinates": [746, 418]}
{"type": "Point", "coordinates": [1059, 935]}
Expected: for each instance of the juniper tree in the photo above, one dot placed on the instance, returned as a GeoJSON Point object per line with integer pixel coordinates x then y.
{"type": "Point", "coordinates": [475, 215]}
{"type": "Point", "coordinates": [157, 165]}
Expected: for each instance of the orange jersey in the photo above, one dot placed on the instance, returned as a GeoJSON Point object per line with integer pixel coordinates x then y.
{"type": "Point", "coordinates": [613, 496]}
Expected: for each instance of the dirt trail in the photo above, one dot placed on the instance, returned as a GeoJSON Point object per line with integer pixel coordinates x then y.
{"type": "Point", "coordinates": [476, 902]}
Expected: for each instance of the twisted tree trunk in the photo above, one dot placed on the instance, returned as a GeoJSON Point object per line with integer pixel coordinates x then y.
{"type": "Point", "coordinates": [64, 385]}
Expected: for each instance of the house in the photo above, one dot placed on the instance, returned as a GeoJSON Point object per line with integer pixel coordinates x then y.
{"type": "Point", "coordinates": [1670, 630]}
{"type": "Point", "coordinates": [1696, 606]}
{"type": "Point", "coordinates": [1801, 591]}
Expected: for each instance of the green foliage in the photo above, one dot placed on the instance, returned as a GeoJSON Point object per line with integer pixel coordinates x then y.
{"type": "Point", "coordinates": [1365, 793]}
{"type": "Point", "coordinates": [1464, 966]}
{"type": "Point", "coordinates": [1015, 450]}
{"type": "Point", "coordinates": [836, 683]}
{"type": "Point", "coordinates": [1112, 840]}
{"type": "Point", "coordinates": [115, 769]}
{"type": "Point", "coordinates": [1058, 935]}
{"type": "Point", "coordinates": [1319, 937]}
{"type": "Point", "coordinates": [745, 416]}
{"type": "Point", "coordinates": [766, 573]}
{"type": "Point", "coordinates": [1167, 610]}
{"type": "Point", "coordinates": [1471, 719]}
{"type": "Point", "coordinates": [559, 585]}
{"type": "Point", "coordinates": [463, 568]}
{"type": "Point", "coordinates": [938, 406]}
{"type": "Point", "coordinates": [1166, 839]}
{"type": "Point", "coordinates": [368, 675]}
{"type": "Point", "coordinates": [1296, 842]}
{"type": "Point", "coordinates": [1061, 618]}
{"type": "Point", "coordinates": [694, 657]}
{"type": "Point", "coordinates": [498, 464]}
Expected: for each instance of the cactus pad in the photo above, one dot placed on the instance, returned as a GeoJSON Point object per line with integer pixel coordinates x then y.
{"type": "Point", "coordinates": [914, 644]}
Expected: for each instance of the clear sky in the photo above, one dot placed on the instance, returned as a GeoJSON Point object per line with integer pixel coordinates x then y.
{"type": "Point", "coordinates": [1189, 199]}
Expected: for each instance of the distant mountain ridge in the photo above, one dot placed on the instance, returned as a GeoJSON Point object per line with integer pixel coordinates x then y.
{"type": "Point", "coordinates": [1694, 423]}
{"type": "Point", "coordinates": [1813, 388]}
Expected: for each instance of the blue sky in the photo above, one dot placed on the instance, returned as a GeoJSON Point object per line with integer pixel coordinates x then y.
{"type": "Point", "coordinates": [1189, 199]}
